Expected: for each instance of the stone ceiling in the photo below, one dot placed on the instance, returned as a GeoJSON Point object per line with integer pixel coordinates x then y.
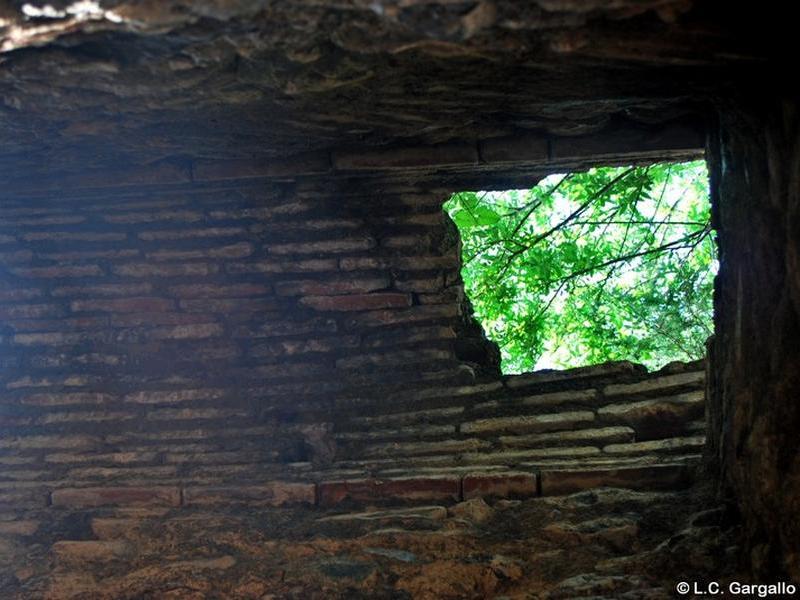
{"type": "Point", "coordinates": [115, 81]}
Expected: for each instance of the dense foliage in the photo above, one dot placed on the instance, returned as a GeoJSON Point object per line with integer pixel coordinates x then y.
{"type": "Point", "coordinates": [608, 264]}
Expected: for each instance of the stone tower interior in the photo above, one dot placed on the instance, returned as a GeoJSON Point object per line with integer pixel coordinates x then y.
{"type": "Point", "coordinates": [236, 360]}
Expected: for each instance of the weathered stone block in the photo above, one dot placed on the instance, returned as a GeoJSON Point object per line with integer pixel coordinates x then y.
{"type": "Point", "coordinates": [659, 417]}
{"type": "Point", "coordinates": [14, 295]}
{"type": "Point", "coordinates": [73, 236]}
{"type": "Point", "coordinates": [693, 379]}
{"type": "Point", "coordinates": [180, 216]}
{"type": "Point", "coordinates": [186, 332]}
{"type": "Point", "coordinates": [60, 272]}
{"type": "Point", "coordinates": [532, 423]}
{"type": "Point", "coordinates": [649, 477]}
{"type": "Point", "coordinates": [165, 270]}
{"type": "Point", "coordinates": [107, 289]}
{"type": "Point", "coordinates": [229, 306]}
{"type": "Point", "coordinates": [411, 488]}
{"type": "Point", "coordinates": [324, 246]}
{"type": "Point", "coordinates": [681, 139]}
{"type": "Point", "coordinates": [424, 448]}
{"type": "Point", "coordinates": [274, 493]}
{"type": "Point", "coordinates": [679, 444]}
{"type": "Point", "coordinates": [174, 396]}
{"type": "Point", "coordinates": [311, 265]}
{"type": "Point", "coordinates": [209, 290]}
{"type": "Point", "coordinates": [188, 234]}
{"type": "Point", "coordinates": [240, 250]}
{"type": "Point", "coordinates": [350, 285]}
{"type": "Point", "coordinates": [389, 359]}
{"type": "Point", "coordinates": [60, 398]}
{"type": "Point", "coordinates": [23, 527]}
{"type": "Point", "coordinates": [141, 304]}
{"type": "Point", "coordinates": [503, 485]}
{"type": "Point", "coordinates": [600, 436]}
{"type": "Point", "coordinates": [416, 314]}
{"type": "Point", "coordinates": [116, 496]}
{"type": "Point", "coordinates": [280, 328]}
{"type": "Point", "coordinates": [357, 302]}
{"type": "Point", "coordinates": [30, 311]}
{"type": "Point", "coordinates": [79, 552]}
{"type": "Point", "coordinates": [549, 376]}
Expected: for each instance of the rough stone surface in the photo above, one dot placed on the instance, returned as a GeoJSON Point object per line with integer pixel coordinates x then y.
{"type": "Point", "coordinates": [755, 161]}
{"type": "Point", "coordinates": [331, 74]}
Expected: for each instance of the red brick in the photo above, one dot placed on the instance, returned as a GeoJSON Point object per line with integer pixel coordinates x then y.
{"type": "Point", "coordinates": [173, 396]}
{"type": "Point", "coordinates": [282, 327]}
{"type": "Point", "coordinates": [19, 294]}
{"type": "Point", "coordinates": [159, 318]}
{"type": "Point", "coordinates": [58, 399]}
{"type": "Point", "coordinates": [412, 488]}
{"type": "Point", "coordinates": [29, 311]}
{"type": "Point", "coordinates": [324, 246]}
{"type": "Point", "coordinates": [72, 324]}
{"type": "Point", "coordinates": [187, 234]}
{"type": "Point", "coordinates": [332, 287]}
{"type": "Point", "coordinates": [58, 272]}
{"type": "Point", "coordinates": [150, 270]}
{"type": "Point", "coordinates": [313, 265]}
{"type": "Point", "coordinates": [116, 496]}
{"type": "Point", "coordinates": [181, 216]}
{"type": "Point", "coordinates": [23, 528]}
{"type": "Point", "coordinates": [83, 255]}
{"type": "Point", "coordinates": [405, 263]}
{"type": "Point", "coordinates": [416, 314]}
{"type": "Point", "coordinates": [16, 257]}
{"type": "Point", "coordinates": [202, 290]}
{"type": "Point", "coordinates": [235, 306]}
{"type": "Point", "coordinates": [357, 302]}
{"type": "Point", "coordinates": [42, 220]}
{"type": "Point", "coordinates": [504, 485]}
{"type": "Point", "coordinates": [73, 236]}
{"type": "Point", "coordinates": [635, 141]}
{"type": "Point", "coordinates": [58, 338]}
{"type": "Point", "coordinates": [240, 250]}
{"type": "Point", "coordinates": [80, 552]}
{"type": "Point", "coordinates": [294, 347]}
{"type": "Point", "coordinates": [140, 304]}
{"type": "Point", "coordinates": [108, 289]}
{"type": "Point", "coordinates": [648, 477]}
{"type": "Point", "coordinates": [274, 493]}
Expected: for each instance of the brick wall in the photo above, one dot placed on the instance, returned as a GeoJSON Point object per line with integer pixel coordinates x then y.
{"type": "Point", "coordinates": [189, 334]}
{"type": "Point", "coordinates": [169, 349]}
{"type": "Point", "coordinates": [208, 335]}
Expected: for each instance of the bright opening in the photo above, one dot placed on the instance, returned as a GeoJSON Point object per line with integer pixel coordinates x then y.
{"type": "Point", "coordinates": [609, 264]}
